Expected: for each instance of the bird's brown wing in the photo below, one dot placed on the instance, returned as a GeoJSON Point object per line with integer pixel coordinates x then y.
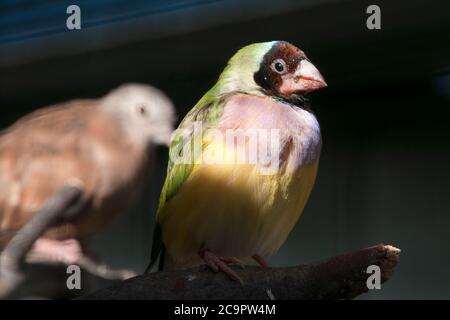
{"type": "Point", "coordinates": [38, 154]}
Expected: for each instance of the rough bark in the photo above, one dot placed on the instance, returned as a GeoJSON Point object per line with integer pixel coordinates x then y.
{"type": "Point", "coordinates": [340, 277]}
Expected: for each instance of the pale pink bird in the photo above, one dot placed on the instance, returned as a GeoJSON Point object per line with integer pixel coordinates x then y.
{"type": "Point", "coordinates": [104, 147]}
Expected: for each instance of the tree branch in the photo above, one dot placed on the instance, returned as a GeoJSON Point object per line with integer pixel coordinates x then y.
{"type": "Point", "coordinates": [340, 277]}
{"type": "Point", "coordinates": [12, 257]}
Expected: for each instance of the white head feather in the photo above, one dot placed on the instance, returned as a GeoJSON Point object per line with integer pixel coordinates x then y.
{"type": "Point", "coordinates": [145, 113]}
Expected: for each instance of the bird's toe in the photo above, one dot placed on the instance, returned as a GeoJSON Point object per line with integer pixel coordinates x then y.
{"type": "Point", "coordinates": [221, 264]}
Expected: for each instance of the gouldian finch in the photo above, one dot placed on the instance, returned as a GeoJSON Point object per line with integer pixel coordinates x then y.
{"type": "Point", "coordinates": [105, 146]}
{"type": "Point", "coordinates": [223, 210]}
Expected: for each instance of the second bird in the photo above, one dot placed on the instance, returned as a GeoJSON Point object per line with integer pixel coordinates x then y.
{"type": "Point", "coordinates": [217, 208]}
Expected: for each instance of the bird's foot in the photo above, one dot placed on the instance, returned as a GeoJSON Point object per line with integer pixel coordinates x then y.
{"type": "Point", "coordinates": [217, 264]}
{"type": "Point", "coordinates": [261, 261]}
{"type": "Point", "coordinates": [67, 251]}
{"type": "Point", "coordinates": [233, 261]}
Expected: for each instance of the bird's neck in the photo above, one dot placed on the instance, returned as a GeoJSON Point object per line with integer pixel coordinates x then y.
{"type": "Point", "coordinates": [234, 79]}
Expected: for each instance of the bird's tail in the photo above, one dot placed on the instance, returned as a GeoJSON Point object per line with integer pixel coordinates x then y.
{"type": "Point", "coordinates": [158, 250]}
{"type": "Point", "coordinates": [164, 262]}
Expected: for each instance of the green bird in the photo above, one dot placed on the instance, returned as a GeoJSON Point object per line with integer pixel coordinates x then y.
{"type": "Point", "coordinates": [242, 163]}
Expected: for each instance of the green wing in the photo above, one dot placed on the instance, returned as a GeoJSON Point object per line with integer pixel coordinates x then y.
{"type": "Point", "coordinates": [207, 111]}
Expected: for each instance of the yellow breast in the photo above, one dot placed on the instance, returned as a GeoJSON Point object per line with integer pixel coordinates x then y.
{"type": "Point", "coordinates": [234, 210]}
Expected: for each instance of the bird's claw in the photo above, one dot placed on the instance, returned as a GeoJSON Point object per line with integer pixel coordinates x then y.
{"type": "Point", "coordinates": [233, 261]}
{"type": "Point", "coordinates": [217, 264]}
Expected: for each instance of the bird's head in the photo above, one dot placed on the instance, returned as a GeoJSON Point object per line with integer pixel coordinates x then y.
{"type": "Point", "coordinates": [275, 68]}
{"type": "Point", "coordinates": [144, 112]}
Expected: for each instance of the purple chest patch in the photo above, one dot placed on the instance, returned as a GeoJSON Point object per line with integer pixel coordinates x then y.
{"type": "Point", "coordinates": [295, 131]}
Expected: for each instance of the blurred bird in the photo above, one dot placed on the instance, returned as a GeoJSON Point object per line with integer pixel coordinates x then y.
{"type": "Point", "coordinates": [103, 146]}
{"type": "Point", "coordinates": [220, 212]}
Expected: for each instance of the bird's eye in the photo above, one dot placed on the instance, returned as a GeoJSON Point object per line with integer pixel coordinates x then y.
{"type": "Point", "coordinates": [279, 66]}
{"type": "Point", "coordinates": [141, 109]}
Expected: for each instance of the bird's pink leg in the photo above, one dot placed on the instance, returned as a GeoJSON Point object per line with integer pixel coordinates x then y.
{"type": "Point", "coordinates": [217, 264]}
{"type": "Point", "coordinates": [261, 261]}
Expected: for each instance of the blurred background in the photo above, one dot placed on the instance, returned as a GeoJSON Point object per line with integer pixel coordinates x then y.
{"type": "Point", "coordinates": [385, 167]}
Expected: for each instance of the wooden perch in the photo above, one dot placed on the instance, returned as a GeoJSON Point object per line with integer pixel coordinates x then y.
{"type": "Point", "coordinates": [340, 277]}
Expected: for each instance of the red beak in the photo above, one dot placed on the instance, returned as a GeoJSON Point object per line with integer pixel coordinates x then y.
{"type": "Point", "coordinates": [306, 78]}
{"type": "Point", "coordinates": [308, 72]}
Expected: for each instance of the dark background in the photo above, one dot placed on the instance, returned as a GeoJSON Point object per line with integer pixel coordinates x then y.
{"type": "Point", "coordinates": [384, 174]}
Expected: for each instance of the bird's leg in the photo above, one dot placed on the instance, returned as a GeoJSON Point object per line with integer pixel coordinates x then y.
{"type": "Point", "coordinates": [261, 261]}
{"type": "Point", "coordinates": [217, 264]}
